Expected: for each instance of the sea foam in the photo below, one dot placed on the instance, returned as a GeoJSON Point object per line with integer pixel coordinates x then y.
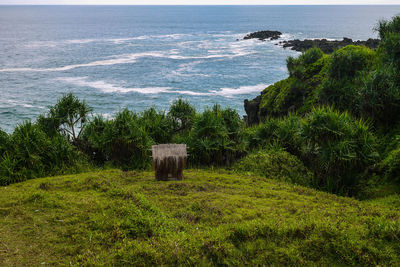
{"type": "Point", "coordinates": [242, 90]}
{"type": "Point", "coordinates": [111, 88]}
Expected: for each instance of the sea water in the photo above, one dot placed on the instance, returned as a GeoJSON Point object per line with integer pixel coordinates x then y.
{"type": "Point", "coordinates": [142, 56]}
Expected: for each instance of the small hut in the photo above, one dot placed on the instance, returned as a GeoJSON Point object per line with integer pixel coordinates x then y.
{"type": "Point", "coordinates": [169, 160]}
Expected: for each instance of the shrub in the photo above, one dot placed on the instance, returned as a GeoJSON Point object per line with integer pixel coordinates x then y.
{"type": "Point", "coordinates": [4, 142]}
{"type": "Point", "coordinates": [297, 67]}
{"type": "Point", "coordinates": [121, 140]}
{"type": "Point", "coordinates": [346, 72]}
{"type": "Point", "coordinates": [29, 147]}
{"type": "Point", "coordinates": [182, 115]}
{"type": "Point", "coordinates": [68, 117]}
{"type": "Point", "coordinates": [157, 125]}
{"type": "Point", "coordinates": [216, 137]}
{"type": "Point", "coordinates": [63, 157]}
{"type": "Point", "coordinates": [282, 131]}
{"type": "Point", "coordinates": [273, 99]}
{"type": "Point", "coordinates": [337, 148]}
{"type": "Point", "coordinates": [380, 97]}
{"type": "Point", "coordinates": [349, 60]}
{"type": "Point", "coordinates": [390, 49]}
{"type": "Point", "coordinates": [31, 153]}
{"type": "Point", "coordinates": [391, 165]}
{"type": "Point", "coordinates": [8, 170]}
{"type": "Point", "coordinates": [275, 163]}
{"type": "Point", "coordinates": [94, 139]}
{"type": "Point", "coordinates": [386, 27]}
{"type": "Point", "coordinates": [380, 93]}
{"type": "Point", "coordinates": [296, 93]}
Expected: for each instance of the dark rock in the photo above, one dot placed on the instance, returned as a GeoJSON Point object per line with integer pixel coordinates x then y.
{"type": "Point", "coordinates": [327, 46]}
{"type": "Point", "coordinates": [263, 35]}
{"type": "Point", "coordinates": [251, 107]}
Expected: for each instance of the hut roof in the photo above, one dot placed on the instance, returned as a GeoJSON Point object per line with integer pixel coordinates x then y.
{"type": "Point", "coordinates": [167, 150]}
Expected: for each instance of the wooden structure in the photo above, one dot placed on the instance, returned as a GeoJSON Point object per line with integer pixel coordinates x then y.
{"type": "Point", "coordinates": [169, 160]}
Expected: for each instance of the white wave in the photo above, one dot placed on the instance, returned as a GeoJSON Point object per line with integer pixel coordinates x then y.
{"type": "Point", "coordinates": [229, 35]}
{"type": "Point", "coordinates": [15, 103]}
{"type": "Point", "coordinates": [121, 40]}
{"type": "Point", "coordinates": [236, 51]}
{"type": "Point", "coordinates": [161, 36]}
{"type": "Point", "coordinates": [242, 90]}
{"type": "Point", "coordinates": [81, 41]}
{"type": "Point", "coordinates": [111, 88]}
{"type": "Point", "coordinates": [186, 92]}
{"type": "Point", "coordinates": [232, 54]}
{"type": "Point", "coordinates": [130, 58]}
{"type": "Point", "coordinates": [62, 42]}
{"type": "Point", "coordinates": [113, 40]}
{"type": "Point", "coordinates": [328, 39]}
{"type": "Point", "coordinates": [203, 43]}
{"type": "Point", "coordinates": [121, 59]}
{"type": "Point", "coordinates": [226, 92]}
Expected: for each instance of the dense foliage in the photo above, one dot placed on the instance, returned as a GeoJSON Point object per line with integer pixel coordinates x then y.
{"type": "Point", "coordinates": [29, 153]}
{"type": "Point", "coordinates": [334, 121]}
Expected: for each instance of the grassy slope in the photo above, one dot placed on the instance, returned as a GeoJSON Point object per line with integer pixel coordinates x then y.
{"type": "Point", "coordinates": [115, 217]}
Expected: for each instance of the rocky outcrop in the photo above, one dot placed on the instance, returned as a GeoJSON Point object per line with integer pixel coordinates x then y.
{"type": "Point", "coordinates": [327, 46]}
{"type": "Point", "coordinates": [263, 35]}
{"type": "Point", "coordinates": [251, 107]}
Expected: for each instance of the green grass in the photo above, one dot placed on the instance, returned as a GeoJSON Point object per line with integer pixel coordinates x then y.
{"type": "Point", "coordinates": [210, 218]}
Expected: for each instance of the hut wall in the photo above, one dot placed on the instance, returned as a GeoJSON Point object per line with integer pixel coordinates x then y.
{"type": "Point", "coordinates": [169, 161]}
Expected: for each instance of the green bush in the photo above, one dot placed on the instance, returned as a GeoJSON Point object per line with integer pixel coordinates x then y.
{"type": "Point", "coordinates": [338, 148]}
{"type": "Point", "coordinates": [4, 142]}
{"type": "Point", "coordinates": [390, 48]}
{"type": "Point", "coordinates": [275, 163]}
{"type": "Point", "coordinates": [94, 139]}
{"type": "Point", "coordinates": [296, 93]}
{"type": "Point", "coordinates": [282, 131]}
{"type": "Point", "coordinates": [68, 117]}
{"type": "Point", "coordinates": [182, 115]}
{"type": "Point", "coordinates": [385, 27]}
{"type": "Point", "coordinates": [121, 140]}
{"type": "Point", "coordinates": [157, 125]}
{"type": "Point", "coordinates": [346, 72]}
{"type": "Point", "coordinates": [31, 153]}
{"type": "Point", "coordinates": [380, 97]}
{"type": "Point", "coordinates": [216, 137]}
{"type": "Point", "coordinates": [297, 67]}
{"type": "Point", "coordinates": [29, 147]}
{"type": "Point", "coordinates": [391, 165]}
{"type": "Point", "coordinates": [349, 60]}
{"type": "Point", "coordinates": [273, 101]}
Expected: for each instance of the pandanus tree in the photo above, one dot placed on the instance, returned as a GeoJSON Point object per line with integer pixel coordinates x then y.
{"type": "Point", "coordinates": [68, 117]}
{"type": "Point", "coordinates": [182, 115]}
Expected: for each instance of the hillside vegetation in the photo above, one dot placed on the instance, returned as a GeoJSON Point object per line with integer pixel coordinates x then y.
{"type": "Point", "coordinates": [210, 218]}
{"type": "Point", "coordinates": [332, 126]}
{"type": "Point", "coordinates": [335, 118]}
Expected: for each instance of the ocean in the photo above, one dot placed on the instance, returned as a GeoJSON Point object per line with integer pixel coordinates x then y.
{"type": "Point", "coordinates": [142, 56]}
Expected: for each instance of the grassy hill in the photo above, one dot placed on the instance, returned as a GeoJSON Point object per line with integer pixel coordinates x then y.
{"type": "Point", "coordinates": [210, 218]}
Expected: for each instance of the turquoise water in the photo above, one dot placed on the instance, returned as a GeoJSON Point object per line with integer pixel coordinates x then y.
{"type": "Point", "coordinates": [137, 57]}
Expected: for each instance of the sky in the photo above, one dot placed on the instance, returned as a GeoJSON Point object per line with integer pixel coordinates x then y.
{"type": "Point", "coordinates": [198, 2]}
